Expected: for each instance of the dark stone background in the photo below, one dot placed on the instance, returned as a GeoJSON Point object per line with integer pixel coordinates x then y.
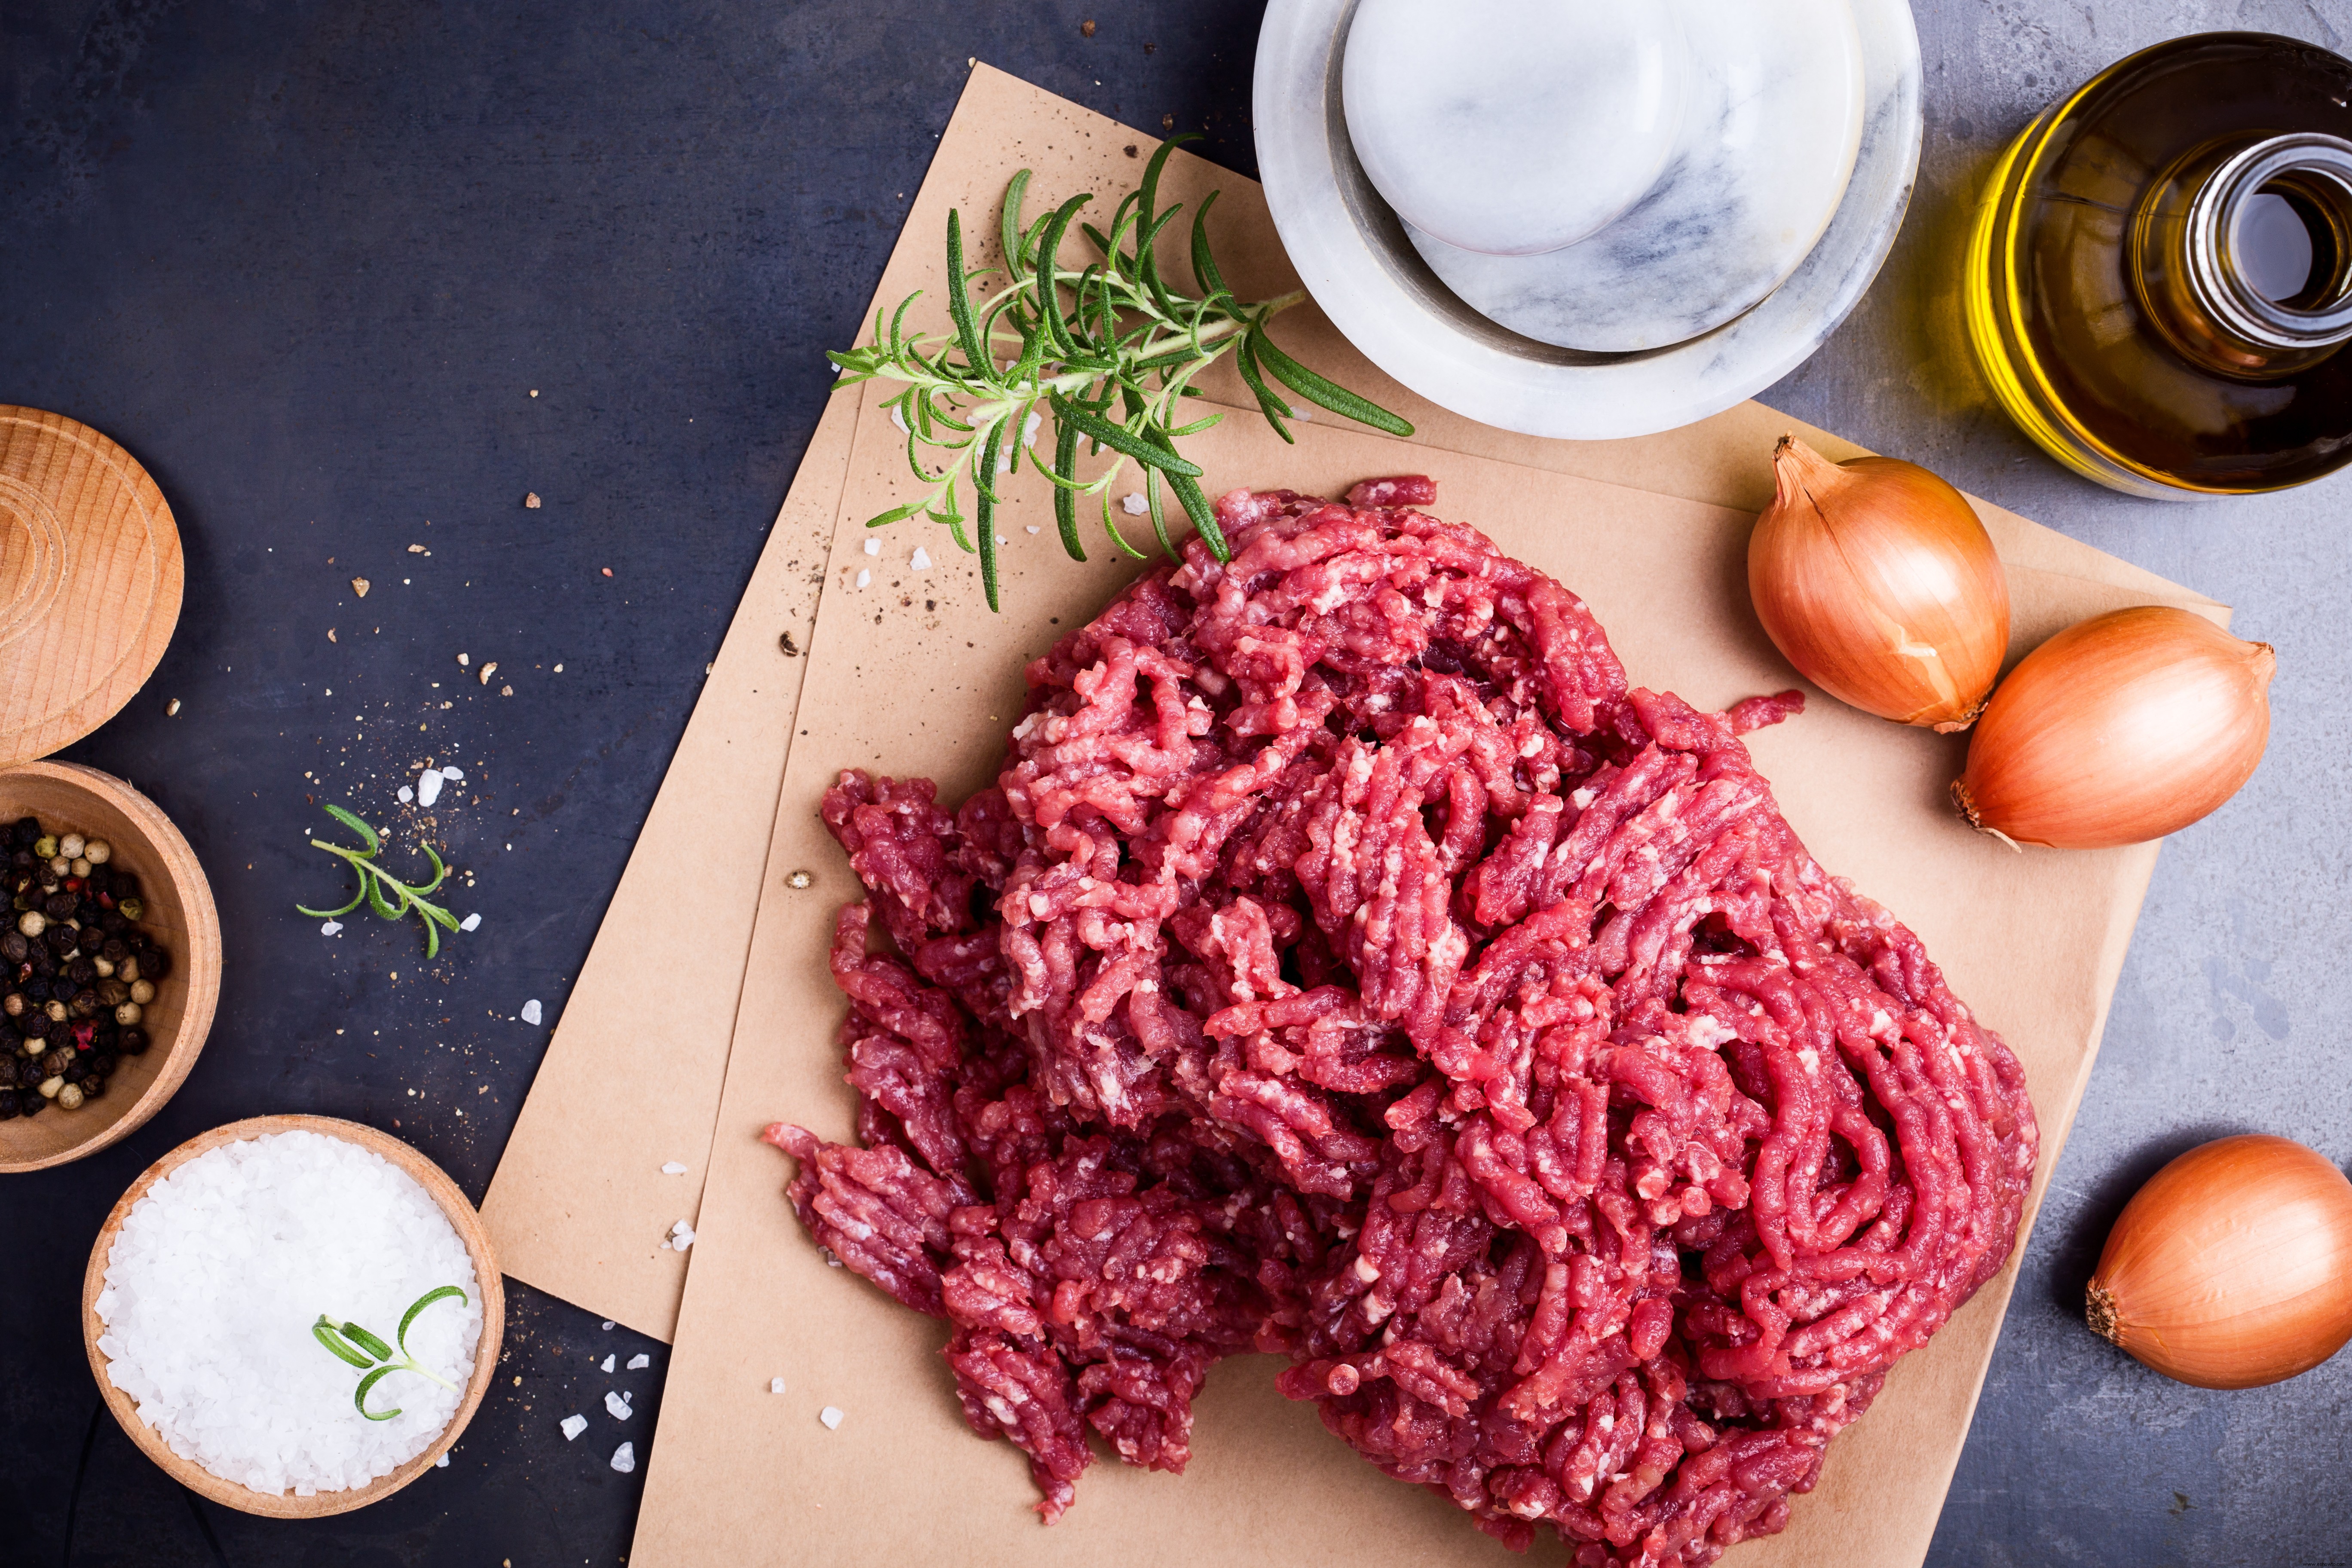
{"type": "Point", "coordinates": [307, 262]}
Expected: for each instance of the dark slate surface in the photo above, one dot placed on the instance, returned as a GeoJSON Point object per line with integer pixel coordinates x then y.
{"type": "Point", "coordinates": [308, 262]}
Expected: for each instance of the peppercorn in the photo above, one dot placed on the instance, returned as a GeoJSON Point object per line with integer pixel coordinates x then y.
{"type": "Point", "coordinates": [132, 1042]}
{"type": "Point", "coordinates": [113, 993]}
{"type": "Point", "coordinates": [26, 832]}
{"type": "Point", "coordinates": [69, 1097]}
{"type": "Point", "coordinates": [70, 845]}
{"type": "Point", "coordinates": [8, 1104]}
{"type": "Point", "coordinates": [75, 1070]}
{"type": "Point", "coordinates": [33, 923]}
{"type": "Point", "coordinates": [101, 969]}
{"type": "Point", "coordinates": [82, 971]}
{"type": "Point", "coordinates": [56, 1006]}
{"type": "Point", "coordinates": [112, 923]}
{"type": "Point", "coordinates": [29, 1103]}
{"type": "Point", "coordinates": [113, 950]}
{"type": "Point", "coordinates": [60, 941]}
{"type": "Point", "coordinates": [45, 848]}
{"type": "Point", "coordinates": [101, 1064]}
{"type": "Point", "coordinates": [127, 971]}
{"type": "Point", "coordinates": [35, 1025]}
{"type": "Point", "coordinates": [8, 1072]}
{"type": "Point", "coordinates": [127, 1013]}
{"type": "Point", "coordinates": [126, 886]}
{"type": "Point", "coordinates": [19, 883]}
{"type": "Point", "coordinates": [84, 1004]}
{"type": "Point", "coordinates": [13, 1004]}
{"type": "Point", "coordinates": [155, 963]}
{"type": "Point", "coordinates": [92, 1087]}
{"type": "Point", "coordinates": [14, 947]}
{"type": "Point", "coordinates": [98, 851]}
{"type": "Point", "coordinates": [142, 992]}
{"type": "Point", "coordinates": [132, 908]}
{"type": "Point", "coordinates": [60, 867]}
{"type": "Point", "coordinates": [43, 963]}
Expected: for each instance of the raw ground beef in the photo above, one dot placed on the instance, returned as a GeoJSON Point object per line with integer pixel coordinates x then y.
{"type": "Point", "coordinates": [1348, 964]}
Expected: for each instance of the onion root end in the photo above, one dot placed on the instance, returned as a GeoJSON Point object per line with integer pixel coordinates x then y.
{"type": "Point", "coordinates": [2099, 1311]}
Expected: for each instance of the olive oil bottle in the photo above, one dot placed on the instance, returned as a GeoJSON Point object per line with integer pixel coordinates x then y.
{"type": "Point", "coordinates": [2159, 279]}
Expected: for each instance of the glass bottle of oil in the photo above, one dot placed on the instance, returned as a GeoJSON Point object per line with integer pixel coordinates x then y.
{"type": "Point", "coordinates": [2160, 281]}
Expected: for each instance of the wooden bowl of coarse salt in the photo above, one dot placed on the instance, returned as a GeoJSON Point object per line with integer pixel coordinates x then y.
{"type": "Point", "coordinates": [177, 913]}
{"type": "Point", "coordinates": [202, 1306]}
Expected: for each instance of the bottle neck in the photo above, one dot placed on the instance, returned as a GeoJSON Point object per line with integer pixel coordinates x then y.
{"type": "Point", "coordinates": [2242, 254]}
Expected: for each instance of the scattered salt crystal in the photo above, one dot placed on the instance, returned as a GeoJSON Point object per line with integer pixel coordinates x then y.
{"type": "Point", "coordinates": [1133, 503]}
{"type": "Point", "coordinates": [608, 1364]}
{"type": "Point", "coordinates": [831, 1416]}
{"type": "Point", "coordinates": [899, 417]}
{"type": "Point", "coordinates": [608, 1325]}
{"type": "Point", "coordinates": [864, 576]}
{"type": "Point", "coordinates": [624, 1458]}
{"type": "Point", "coordinates": [1002, 540]}
{"type": "Point", "coordinates": [639, 1361]}
{"type": "Point", "coordinates": [873, 545]}
{"type": "Point", "coordinates": [429, 787]}
{"type": "Point", "coordinates": [215, 1276]}
{"type": "Point", "coordinates": [1029, 428]}
{"type": "Point", "coordinates": [331, 927]}
{"type": "Point", "coordinates": [1032, 528]}
{"type": "Point", "coordinates": [616, 1406]}
{"type": "Point", "coordinates": [471, 923]}
{"type": "Point", "coordinates": [573, 1426]}
{"type": "Point", "coordinates": [442, 1463]}
{"type": "Point", "coordinates": [681, 1236]}
{"type": "Point", "coordinates": [921, 559]}
{"type": "Point", "coordinates": [1301, 413]}
{"type": "Point", "coordinates": [530, 1014]}
{"type": "Point", "coordinates": [775, 1385]}
{"type": "Point", "coordinates": [674, 1169]}
{"type": "Point", "coordinates": [455, 775]}
{"type": "Point", "coordinates": [406, 795]}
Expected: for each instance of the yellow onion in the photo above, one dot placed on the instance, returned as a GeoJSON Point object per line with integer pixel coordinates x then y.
{"type": "Point", "coordinates": [1874, 578]}
{"type": "Point", "coordinates": [2233, 1268]}
{"type": "Point", "coordinates": [2119, 730]}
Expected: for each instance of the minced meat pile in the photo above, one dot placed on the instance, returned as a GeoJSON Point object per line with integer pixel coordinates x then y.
{"type": "Point", "coordinates": [1348, 965]}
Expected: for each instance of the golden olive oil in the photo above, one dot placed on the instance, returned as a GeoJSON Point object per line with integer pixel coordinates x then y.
{"type": "Point", "coordinates": [2159, 278]}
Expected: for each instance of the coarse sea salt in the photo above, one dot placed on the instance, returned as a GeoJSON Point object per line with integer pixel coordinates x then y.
{"type": "Point", "coordinates": [607, 1365]}
{"type": "Point", "coordinates": [429, 787]}
{"type": "Point", "coordinates": [530, 1014]}
{"type": "Point", "coordinates": [471, 923]}
{"type": "Point", "coordinates": [616, 1406]}
{"type": "Point", "coordinates": [831, 1416]}
{"type": "Point", "coordinates": [624, 1458]}
{"type": "Point", "coordinates": [674, 1169]}
{"type": "Point", "coordinates": [639, 1361]}
{"type": "Point", "coordinates": [573, 1426]}
{"type": "Point", "coordinates": [215, 1277]}
{"type": "Point", "coordinates": [775, 1385]}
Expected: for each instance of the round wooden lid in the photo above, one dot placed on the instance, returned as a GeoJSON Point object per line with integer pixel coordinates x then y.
{"type": "Point", "coordinates": [90, 581]}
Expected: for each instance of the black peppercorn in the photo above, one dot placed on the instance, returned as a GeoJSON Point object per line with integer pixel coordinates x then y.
{"type": "Point", "coordinates": [61, 906]}
{"type": "Point", "coordinates": [60, 941]}
{"type": "Point", "coordinates": [9, 1073]}
{"type": "Point", "coordinates": [114, 951]}
{"type": "Point", "coordinates": [101, 1064]}
{"type": "Point", "coordinates": [92, 1087]}
{"type": "Point", "coordinates": [15, 948]}
{"type": "Point", "coordinates": [102, 1037]}
{"type": "Point", "coordinates": [85, 1003]}
{"type": "Point", "coordinates": [29, 1103]}
{"type": "Point", "coordinates": [132, 1042]}
{"type": "Point", "coordinates": [35, 1025]}
{"type": "Point", "coordinates": [154, 963]}
{"type": "Point", "coordinates": [8, 1104]}
{"type": "Point", "coordinates": [74, 1071]}
{"type": "Point", "coordinates": [26, 833]}
{"type": "Point", "coordinates": [37, 991]}
{"type": "Point", "coordinates": [81, 971]}
{"type": "Point", "coordinates": [55, 1063]}
{"type": "Point", "coordinates": [43, 963]}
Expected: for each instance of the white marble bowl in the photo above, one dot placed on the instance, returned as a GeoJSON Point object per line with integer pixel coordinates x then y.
{"type": "Point", "coordinates": [1359, 262]}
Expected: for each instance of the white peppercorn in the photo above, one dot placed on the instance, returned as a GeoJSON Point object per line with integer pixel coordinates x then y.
{"type": "Point", "coordinates": [127, 1015]}
{"type": "Point", "coordinates": [80, 868]}
{"type": "Point", "coordinates": [97, 852]}
{"type": "Point", "coordinates": [69, 1097]}
{"type": "Point", "coordinates": [71, 845]}
{"type": "Point", "coordinates": [32, 923]}
{"type": "Point", "coordinates": [51, 1086]}
{"type": "Point", "coordinates": [142, 992]}
{"type": "Point", "coordinates": [59, 866]}
{"type": "Point", "coordinates": [104, 965]}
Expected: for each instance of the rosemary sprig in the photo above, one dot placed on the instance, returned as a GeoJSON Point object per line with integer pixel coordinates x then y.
{"type": "Point", "coordinates": [366, 1351]}
{"type": "Point", "coordinates": [1108, 350]}
{"type": "Point", "coordinates": [385, 893]}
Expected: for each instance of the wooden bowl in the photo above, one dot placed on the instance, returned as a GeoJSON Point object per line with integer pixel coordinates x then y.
{"type": "Point", "coordinates": [69, 798]}
{"type": "Point", "coordinates": [488, 1287]}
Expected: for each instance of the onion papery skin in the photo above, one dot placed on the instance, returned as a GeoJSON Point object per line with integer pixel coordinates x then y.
{"type": "Point", "coordinates": [1877, 580]}
{"type": "Point", "coordinates": [2121, 729]}
{"type": "Point", "coordinates": [2233, 1268]}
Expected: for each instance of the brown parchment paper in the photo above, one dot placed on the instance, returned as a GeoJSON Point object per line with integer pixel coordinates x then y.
{"type": "Point", "coordinates": [578, 1206]}
{"type": "Point", "coordinates": [910, 675]}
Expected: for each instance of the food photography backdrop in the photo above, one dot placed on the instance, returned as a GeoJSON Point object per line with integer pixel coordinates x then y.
{"type": "Point", "coordinates": [351, 282]}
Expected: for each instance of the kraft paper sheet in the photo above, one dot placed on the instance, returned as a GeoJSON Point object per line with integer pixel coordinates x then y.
{"type": "Point", "coordinates": [911, 675]}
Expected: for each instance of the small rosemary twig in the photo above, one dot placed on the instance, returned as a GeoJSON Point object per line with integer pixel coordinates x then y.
{"type": "Point", "coordinates": [385, 893]}
{"type": "Point", "coordinates": [365, 1351]}
{"type": "Point", "coordinates": [1113, 334]}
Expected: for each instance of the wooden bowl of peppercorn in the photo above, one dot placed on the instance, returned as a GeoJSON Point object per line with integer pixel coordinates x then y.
{"type": "Point", "coordinates": [145, 912]}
